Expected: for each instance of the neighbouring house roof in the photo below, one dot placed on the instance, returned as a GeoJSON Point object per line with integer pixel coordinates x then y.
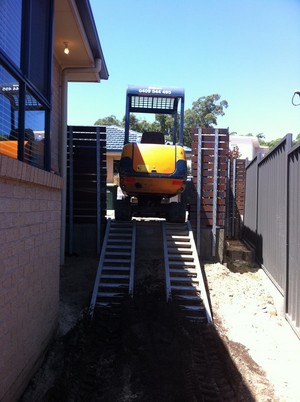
{"type": "Point", "coordinates": [115, 138]}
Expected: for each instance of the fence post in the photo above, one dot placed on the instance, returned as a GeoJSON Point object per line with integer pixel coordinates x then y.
{"type": "Point", "coordinates": [215, 194]}
{"type": "Point", "coordinates": [233, 198]}
{"type": "Point", "coordinates": [289, 144]}
{"type": "Point", "coordinates": [71, 190]}
{"type": "Point", "coordinates": [98, 189]}
{"type": "Point", "coordinates": [198, 208]}
{"type": "Point", "coordinates": [259, 158]}
{"type": "Point", "coordinates": [228, 197]}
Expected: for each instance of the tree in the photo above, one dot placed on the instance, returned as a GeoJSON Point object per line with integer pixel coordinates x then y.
{"type": "Point", "coordinates": [204, 113]}
{"type": "Point", "coordinates": [108, 121]}
{"type": "Point", "coordinates": [137, 125]}
{"type": "Point", "coordinates": [206, 110]}
{"type": "Point", "coordinates": [272, 144]}
{"type": "Point", "coordinates": [189, 124]}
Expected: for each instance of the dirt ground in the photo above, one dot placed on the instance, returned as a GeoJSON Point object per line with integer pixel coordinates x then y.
{"type": "Point", "coordinates": [147, 351]}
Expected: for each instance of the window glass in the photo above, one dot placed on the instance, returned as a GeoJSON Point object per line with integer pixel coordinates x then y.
{"type": "Point", "coordinates": [24, 114]}
{"type": "Point", "coordinates": [39, 61]}
{"type": "Point", "coordinates": [10, 29]}
{"type": "Point", "coordinates": [34, 131]}
{"type": "Point", "coordinates": [116, 166]}
{"type": "Point", "coordinates": [9, 108]}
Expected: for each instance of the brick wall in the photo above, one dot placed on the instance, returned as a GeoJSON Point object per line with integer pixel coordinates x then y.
{"type": "Point", "coordinates": [30, 208]}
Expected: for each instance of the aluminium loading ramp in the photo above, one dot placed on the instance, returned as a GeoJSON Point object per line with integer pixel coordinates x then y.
{"type": "Point", "coordinates": [115, 274]}
{"type": "Point", "coordinates": [184, 279]}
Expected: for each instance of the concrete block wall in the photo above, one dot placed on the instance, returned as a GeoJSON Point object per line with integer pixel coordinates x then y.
{"type": "Point", "coordinates": [30, 213]}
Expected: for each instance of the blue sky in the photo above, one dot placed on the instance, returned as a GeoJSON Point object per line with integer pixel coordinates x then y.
{"type": "Point", "coordinates": [246, 51]}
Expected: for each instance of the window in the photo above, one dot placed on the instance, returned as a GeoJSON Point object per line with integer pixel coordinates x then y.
{"type": "Point", "coordinates": [39, 49]}
{"type": "Point", "coordinates": [10, 29]}
{"type": "Point", "coordinates": [116, 166]}
{"type": "Point", "coordinates": [9, 111]}
{"type": "Point", "coordinates": [34, 133]}
{"type": "Point", "coordinates": [25, 80]}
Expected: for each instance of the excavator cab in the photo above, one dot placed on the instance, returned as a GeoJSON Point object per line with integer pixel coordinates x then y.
{"type": "Point", "coordinates": [152, 172]}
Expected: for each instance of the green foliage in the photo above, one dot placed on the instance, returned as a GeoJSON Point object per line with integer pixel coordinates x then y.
{"type": "Point", "coordinates": [138, 125]}
{"type": "Point", "coordinates": [272, 144]}
{"type": "Point", "coordinates": [204, 113]}
{"type": "Point", "coordinates": [260, 136]}
{"type": "Point", "coordinates": [108, 121]}
{"type": "Point", "coordinates": [165, 122]}
{"type": "Point", "coordinates": [206, 110]}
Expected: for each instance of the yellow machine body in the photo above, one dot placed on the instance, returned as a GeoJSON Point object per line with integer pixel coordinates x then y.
{"type": "Point", "coordinates": [152, 169]}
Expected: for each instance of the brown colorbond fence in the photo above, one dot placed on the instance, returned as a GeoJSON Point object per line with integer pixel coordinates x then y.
{"type": "Point", "coordinates": [209, 184]}
{"type": "Point", "coordinates": [271, 220]}
{"type": "Point", "coordinates": [86, 186]}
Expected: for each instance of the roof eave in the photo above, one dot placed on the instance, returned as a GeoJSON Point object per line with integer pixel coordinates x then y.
{"type": "Point", "coordinates": [88, 22]}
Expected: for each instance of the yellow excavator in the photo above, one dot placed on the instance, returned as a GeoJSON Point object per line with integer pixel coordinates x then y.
{"type": "Point", "coordinates": [153, 172]}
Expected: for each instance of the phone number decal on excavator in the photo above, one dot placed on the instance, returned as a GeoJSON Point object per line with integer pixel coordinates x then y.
{"type": "Point", "coordinates": [155, 91]}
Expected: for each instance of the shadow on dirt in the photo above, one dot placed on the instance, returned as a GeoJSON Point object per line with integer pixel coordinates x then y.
{"type": "Point", "coordinates": [143, 351]}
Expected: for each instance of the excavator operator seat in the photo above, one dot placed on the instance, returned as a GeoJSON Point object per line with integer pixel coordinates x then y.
{"type": "Point", "coordinates": [152, 137]}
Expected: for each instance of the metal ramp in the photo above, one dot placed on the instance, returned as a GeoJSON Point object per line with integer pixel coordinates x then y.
{"type": "Point", "coordinates": [115, 274]}
{"type": "Point", "coordinates": [184, 279]}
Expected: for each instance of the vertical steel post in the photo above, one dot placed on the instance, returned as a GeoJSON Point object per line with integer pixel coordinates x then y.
{"type": "Point", "coordinates": [181, 134]}
{"type": "Point", "coordinates": [71, 190]}
{"type": "Point", "coordinates": [228, 197]}
{"type": "Point", "coordinates": [215, 194]}
{"type": "Point", "coordinates": [199, 179]}
{"type": "Point", "coordinates": [288, 147]}
{"type": "Point", "coordinates": [166, 260]}
{"type": "Point", "coordinates": [233, 197]}
{"type": "Point", "coordinates": [132, 260]}
{"type": "Point", "coordinates": [127, 118]}
{"type": "Point", "coordinates": [98, 167]}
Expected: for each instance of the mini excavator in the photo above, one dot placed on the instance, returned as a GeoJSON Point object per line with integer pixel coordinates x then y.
{"type": "Point", "coordinates": [153, 172]}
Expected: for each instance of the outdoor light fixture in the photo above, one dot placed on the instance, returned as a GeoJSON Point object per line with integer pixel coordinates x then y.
{"type": "Point", "coordinates": [66, 49]}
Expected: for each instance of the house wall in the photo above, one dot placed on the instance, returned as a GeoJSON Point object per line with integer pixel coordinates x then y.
{"type": "Point", "coordinates": [248, 146]}
{"type": "Point", "coordinates": [110, 158]}
{"type": "Point", "coordinates": [30, 227]}
{"type": "Point", "coordinates": [110, 170]}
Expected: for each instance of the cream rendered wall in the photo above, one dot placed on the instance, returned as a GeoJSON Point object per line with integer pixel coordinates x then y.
{"type": "Point", "coordinates": [110, 158]}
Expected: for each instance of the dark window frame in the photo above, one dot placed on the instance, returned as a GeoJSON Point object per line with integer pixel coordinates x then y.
{"type": "Point", "coordinates": [25, 84]}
